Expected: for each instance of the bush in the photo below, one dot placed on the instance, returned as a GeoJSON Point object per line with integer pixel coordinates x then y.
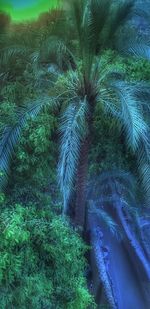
{"type": "Point", "coordinates": [41, 261]}
{"type": "Point", "coordinates": [132, 69]}
{"type": "Point", "coordinates": [37, 151]}
{"type": "Point", "coordinates": [108, 149]}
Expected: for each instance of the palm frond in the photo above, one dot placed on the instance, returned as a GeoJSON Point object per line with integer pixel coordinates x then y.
{"type": "Point", "coordinates": [107, 203]}
{"type": "Point", "coordinates": [54, 49]}
{"type": "Point", "coordinates": [121, 176]}
{"type": "Point", "coordinates": [77, 12]}
{"type": "Point", "coordinates": [9, 57]}
{"type": "Point", "coordinates": [120, 13]}
{"type": "Point", "coordinates": [143, 157]}
{"type": "Point", "coordinates": [105, 217]}
{"type": "Point", "coordinates": [3, 77]}
{"type": "Point", "coordinates": [142, 94]}
{"type": "Point", "coordinates": [9, 54]}
{"type": "Point", "coordinates": [95, 20]}
{"type": "Point", "coordinates": [136, 129]}
{"type": "Point", "coordinates": [136, 49]}
{"type": "Point", "coordinates": [35, 57]}
{"type": "Point", "coordinates": [73, 130]}
{"type": "Point", "coordinates": [131, 117]}
{"type": "Point", "coordinates": [102, 189]}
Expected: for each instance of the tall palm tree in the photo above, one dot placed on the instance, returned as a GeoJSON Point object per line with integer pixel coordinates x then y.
{"type": "Point", "coordinates": [95, 23]}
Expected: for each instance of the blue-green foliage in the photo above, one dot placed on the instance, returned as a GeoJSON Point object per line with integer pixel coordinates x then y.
{"type": "Point", "coordinates": [108, 145]}
{"type": "Point", "coordinates": [132, 69]}
{"type": "Point", "coordinates": [107, 150]}
{"type": "Point", "coordinates": [37, 151]}
{"type": "Point", "coordinates": [41, 261]}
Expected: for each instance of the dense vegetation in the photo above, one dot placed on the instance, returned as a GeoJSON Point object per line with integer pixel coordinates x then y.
{"type": "Point", "coordinates": [59, 86]}
{"type": "Point", "coordinates": [41, 260]}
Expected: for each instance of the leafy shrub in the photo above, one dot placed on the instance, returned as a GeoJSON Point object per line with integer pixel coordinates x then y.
{"type": "Point", "coordinates": [108, 149]}
{"type": "Point", "coordinates": [132, 68]}
{"type": "Point", "coordinates": [36, 151]}
{"type": "Point", "coordinates": [41, 261]}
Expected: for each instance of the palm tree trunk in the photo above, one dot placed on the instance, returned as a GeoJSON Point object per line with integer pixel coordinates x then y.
{"type": "Point", "coordinates": [82, 171]}
{"type": "Point", "coordinates": [80, 205]}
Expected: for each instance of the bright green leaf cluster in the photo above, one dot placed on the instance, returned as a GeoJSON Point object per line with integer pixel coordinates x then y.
{"type": "Point", "coordinates": [41, 261]}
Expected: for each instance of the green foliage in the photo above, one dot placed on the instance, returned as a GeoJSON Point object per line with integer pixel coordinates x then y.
{"type": "Point", "coordinates": [2, 198]}
{"type": "Point", "coordinates": [16, 92]}
{"type": "Point", "coordinates": [12, 133]}
{"type": "Point", "coordinates": [138, 69]}
{"type": "Point", "coordinates": [108, 144]}
{"type": "Point", "coordinates": [41, 261]}
{"type": "Point", "coordinates": [32, 48]}
{"type": "Point", "coordinates": [131, 68]}
{"type": "Point", "coordinates": [108, 149]}
{"type": "Point", "coordinates": [36, 150]}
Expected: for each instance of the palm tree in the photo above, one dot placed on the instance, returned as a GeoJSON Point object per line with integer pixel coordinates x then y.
{"type": "Point", "coordinates": [95, 23]}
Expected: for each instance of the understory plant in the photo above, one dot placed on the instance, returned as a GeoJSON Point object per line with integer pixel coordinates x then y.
{"type": "Point", "coordinates": [42, 260]}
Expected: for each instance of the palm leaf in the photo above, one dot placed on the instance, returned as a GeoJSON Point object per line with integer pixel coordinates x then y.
{"type": "Point", "coordinates": [95, 19]}
{"type": "Point", "coordinates": [143, 157]}
{"type": "Point", "coordinates": [9, 57]}
{"type": "Point", "coordinates": [105, 217]}
{"type": "Point", "coordinates": [131, 117]}
{"type": "Point", "coordinates": [77, 12]}
{"type": "Point", "coordinates": [54, 49]}
{"type": "Point", "coordinates": [143, 96]}
{"type": "Point", "coordinates": [120, 13]}
{"type": "Point", "coordinates": [9, 54]}
{"type": "Point", "coordinates": [103, 183]}
{"type": "Point", "coordinates": [136, 49]}
{"type": "Point", "coordinates": [73, 131]}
